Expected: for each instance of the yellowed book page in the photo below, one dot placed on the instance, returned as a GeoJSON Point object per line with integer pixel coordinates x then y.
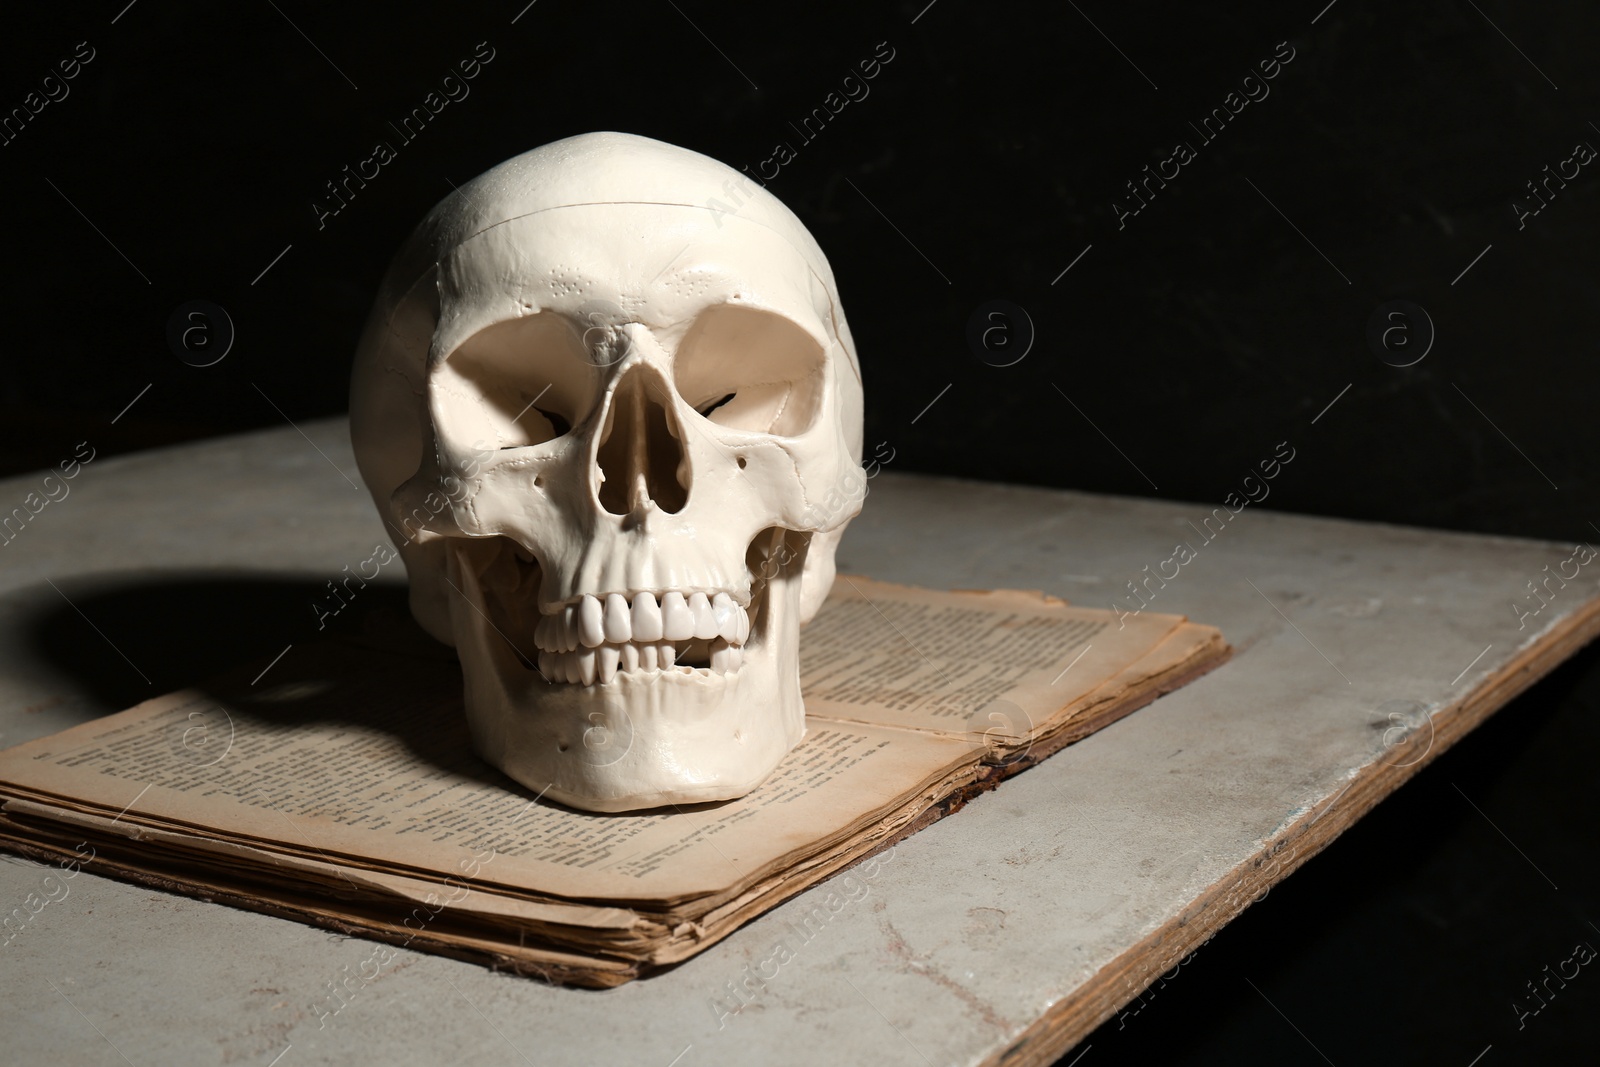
{"type": "Point", "coordinates": [958, 663]}
{"type": "Point", "coordinates": [1172, 656]}
{"type": "Point", "coordinates": [188, 849]}
{"type": "Point", "coordinates": [366, 758]}
{"type": "Point", "coordinates": [1179, 653]}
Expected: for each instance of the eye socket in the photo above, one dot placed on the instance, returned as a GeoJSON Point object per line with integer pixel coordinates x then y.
{"type": "Point", "coordinates": [751, 370]}
{"type": "Point", "coordinates": [517, 383]}
{"type": "Point", "coordinates": [558, 423]}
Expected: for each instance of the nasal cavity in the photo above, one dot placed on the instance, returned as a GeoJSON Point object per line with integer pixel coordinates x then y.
{"type": "Point", "coordinates": [641, 459]}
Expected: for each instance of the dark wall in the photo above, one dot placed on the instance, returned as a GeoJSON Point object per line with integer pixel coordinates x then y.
{"type": "Point", "coordinates": [1164, 353]}
{"type": "Point", "coordinates": [987, 154]}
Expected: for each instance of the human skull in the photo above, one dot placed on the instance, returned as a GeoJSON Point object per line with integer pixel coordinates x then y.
{"type": "Point", "coordinates": [609, 408]}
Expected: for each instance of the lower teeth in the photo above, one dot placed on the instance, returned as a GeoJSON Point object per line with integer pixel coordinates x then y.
{"type": "Point", "coordinates": [586, 666]}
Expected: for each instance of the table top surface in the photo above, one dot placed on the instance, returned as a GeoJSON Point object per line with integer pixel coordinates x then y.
{"type": "Point", "coordinates": [1009, 928]}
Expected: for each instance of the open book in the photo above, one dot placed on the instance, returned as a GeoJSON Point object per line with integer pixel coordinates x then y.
{"type": "Point", "coordinates": [340, 788]}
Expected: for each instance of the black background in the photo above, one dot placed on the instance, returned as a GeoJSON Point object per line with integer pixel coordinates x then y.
{"type": "Point", "coordinates": [1176, 352]}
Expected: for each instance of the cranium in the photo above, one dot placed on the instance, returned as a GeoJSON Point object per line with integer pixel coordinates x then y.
{"type": "Point", "coordinates": [609, 408]}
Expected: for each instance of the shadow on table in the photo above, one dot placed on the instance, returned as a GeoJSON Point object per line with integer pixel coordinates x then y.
{"type": "Point", "coordinates": [264, 646]}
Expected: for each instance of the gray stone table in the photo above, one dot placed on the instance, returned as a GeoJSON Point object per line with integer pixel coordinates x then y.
{"type": "Point", "coordinates": [1003, 933]}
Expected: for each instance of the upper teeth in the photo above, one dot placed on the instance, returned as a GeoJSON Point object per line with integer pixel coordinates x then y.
{"type": "Point", "coordinates": [597, 637]}
{"type": "Point", "coordinates": [611, 620]}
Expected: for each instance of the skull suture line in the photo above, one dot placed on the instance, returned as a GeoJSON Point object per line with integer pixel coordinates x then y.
{"type": "Point", "coordinates": [607, 404]}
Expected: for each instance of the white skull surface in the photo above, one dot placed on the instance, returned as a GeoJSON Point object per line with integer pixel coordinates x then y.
{"type": "Point", "coordinates": [610, 411]}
